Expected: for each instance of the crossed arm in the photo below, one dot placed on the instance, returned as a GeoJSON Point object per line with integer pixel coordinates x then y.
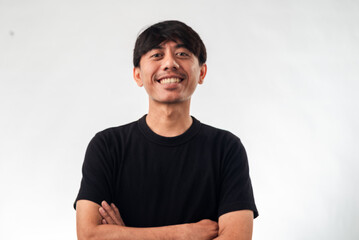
{"type": "Point", "coordinates": [96, 222]}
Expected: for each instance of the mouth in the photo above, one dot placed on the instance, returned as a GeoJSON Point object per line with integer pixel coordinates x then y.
{"type": "Point", "coordinates": [170, 80]}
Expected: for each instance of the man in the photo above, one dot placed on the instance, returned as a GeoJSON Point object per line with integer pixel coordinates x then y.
{"type": "Point", "coordinates": [167, 175]}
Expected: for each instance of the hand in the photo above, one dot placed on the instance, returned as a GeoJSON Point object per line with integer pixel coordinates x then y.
{"type": "Point", "coordinates": [202, 230]}
{"type": "Point", "coordinates": [110, 214]}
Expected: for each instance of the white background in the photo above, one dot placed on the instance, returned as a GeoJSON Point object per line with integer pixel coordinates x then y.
{"type": "Point", "coordinates": [282, 75]}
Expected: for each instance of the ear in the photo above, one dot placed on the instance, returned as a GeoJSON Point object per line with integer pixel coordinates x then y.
{"type": "Point", "coordinates": [137, 76]}
{"type": "Point", "coordinates": [203, 73]}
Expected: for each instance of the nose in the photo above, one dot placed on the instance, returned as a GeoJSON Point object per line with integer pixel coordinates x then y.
{"type": "Point", "coordinates": [170, 63]}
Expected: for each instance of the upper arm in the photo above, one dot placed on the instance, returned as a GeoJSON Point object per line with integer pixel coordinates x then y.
{"type": "Point", "coordinates": [236, 225]}
{"type": "Point", "coordinates": [97, 172]}
{"type": "Point", "coordinates": [236, 191]}
{"type": "Point", "coordinates": [87, 218]}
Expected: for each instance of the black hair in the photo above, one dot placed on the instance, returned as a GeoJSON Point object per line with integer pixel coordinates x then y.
{"type": "Point", "coordinates": [172, 30]}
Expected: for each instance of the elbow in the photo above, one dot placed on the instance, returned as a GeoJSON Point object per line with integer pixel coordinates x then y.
{"type": "Point", "coordinates": [87, 234]}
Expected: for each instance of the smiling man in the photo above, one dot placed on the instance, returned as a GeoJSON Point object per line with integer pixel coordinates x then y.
{"type": "Point", "coordinates": [167, 175]}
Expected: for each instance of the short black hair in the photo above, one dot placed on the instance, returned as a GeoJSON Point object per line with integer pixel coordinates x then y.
{"type": "Point", "coordinates": [171, 30]}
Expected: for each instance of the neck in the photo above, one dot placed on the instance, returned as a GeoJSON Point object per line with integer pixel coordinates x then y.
{"type": "Point", "coordinates": [169, 120]}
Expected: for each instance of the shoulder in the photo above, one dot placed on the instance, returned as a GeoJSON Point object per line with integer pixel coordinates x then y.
{"type": "Point", "coordinates": [122, 129]}
{"type": "Point", "coordinates": [116, 134]}
{"type": "Point", "coordinates": [117, 131]}
{"type": "Point", "coordinates": [219, 135]}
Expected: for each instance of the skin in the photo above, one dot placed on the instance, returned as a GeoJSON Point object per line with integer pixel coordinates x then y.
{"type": "Point", "coordinates": [90, 226]}
{"type": "Point", "coordinates": [232, 225]}
{"type": "Point", "coordinates": [170, 59]}
{"type": "Point", "coordinates": [168, 115]}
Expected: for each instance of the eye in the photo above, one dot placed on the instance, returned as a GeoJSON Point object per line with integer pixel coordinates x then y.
{"type": "Point", "coordinates": [156, 55]}
{"type": "Point", "coordinates": [182, 54]}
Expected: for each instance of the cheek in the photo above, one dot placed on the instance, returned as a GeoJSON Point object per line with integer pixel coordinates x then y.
{"type": "Point", "coordinates": [144, 75]}
{"type": "Point", "coordinates": [195, 72]}
{"type": "Point", "coordinates": [148, 72]}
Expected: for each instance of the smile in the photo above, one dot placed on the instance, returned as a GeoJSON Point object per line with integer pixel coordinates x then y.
{"type": "Point", "coordinates": [170, 80]}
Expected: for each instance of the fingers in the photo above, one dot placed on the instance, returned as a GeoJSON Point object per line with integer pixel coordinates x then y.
{"type": "Point", "coordinates": [106, 216]}
{"type": "Point", "coordinates": [115, 216]}
{"type": "Point", "coordinates": [110, 214]}
{"type": "Point", "coordinates": [108, 209]}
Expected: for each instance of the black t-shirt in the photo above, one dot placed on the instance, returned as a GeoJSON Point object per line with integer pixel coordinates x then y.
{"type": "Point", "coordinates": [159, 181]}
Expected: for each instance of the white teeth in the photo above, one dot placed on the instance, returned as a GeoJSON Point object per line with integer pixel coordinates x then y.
{"type": "Point", "coordinates": [170, 80]}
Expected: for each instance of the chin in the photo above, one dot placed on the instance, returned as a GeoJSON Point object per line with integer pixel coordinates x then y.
{"type": "Point", "coordinates": [170, 100]}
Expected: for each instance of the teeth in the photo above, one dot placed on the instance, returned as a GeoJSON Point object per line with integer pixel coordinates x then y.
{"type": "Point", "coordinates": [170, 80]}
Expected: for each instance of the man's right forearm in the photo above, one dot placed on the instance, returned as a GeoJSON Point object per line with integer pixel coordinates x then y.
{"type": "Point", "coordinates": [89, 227]}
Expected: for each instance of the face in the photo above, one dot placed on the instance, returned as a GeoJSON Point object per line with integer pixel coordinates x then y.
{"type": "Point", "coordinates": [169, 73]}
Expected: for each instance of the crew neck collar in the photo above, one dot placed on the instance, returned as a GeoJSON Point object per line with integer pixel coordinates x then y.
{"type": "Point", "coordinates": [169, 141]}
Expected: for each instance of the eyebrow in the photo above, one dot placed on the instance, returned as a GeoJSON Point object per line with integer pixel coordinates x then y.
{"type": "Point", "coordinates": [181, 45]}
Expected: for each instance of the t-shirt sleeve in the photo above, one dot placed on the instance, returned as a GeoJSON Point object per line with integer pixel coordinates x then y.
{"type": "Point", "coordinates": [236, 191]}
{"type": "Point", "coordinates": [97, 173]}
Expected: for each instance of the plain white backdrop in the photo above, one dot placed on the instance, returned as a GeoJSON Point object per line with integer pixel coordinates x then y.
{"type": "Point", "coordinates": [282, 75]}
